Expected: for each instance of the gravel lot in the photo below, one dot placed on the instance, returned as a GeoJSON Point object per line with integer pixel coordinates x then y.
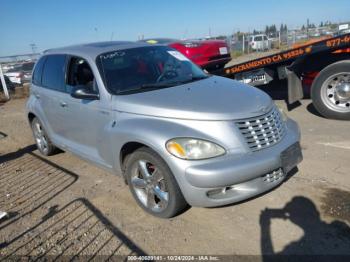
{"type": "Point", "coordinates": [61, 205]}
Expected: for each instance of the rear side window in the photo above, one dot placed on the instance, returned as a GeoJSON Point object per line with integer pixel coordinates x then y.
{"type": "Point", "coordinates": [265, 37]}
{"type": "Point", "coordinates": [38, 71]}
{"type": "Point", "coordinates": [53, 72]}
{"type": "Point", "coordinates": [258, 38]}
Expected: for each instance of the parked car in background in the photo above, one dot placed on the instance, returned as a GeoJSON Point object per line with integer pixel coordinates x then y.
{"type": "Point", "coordinates": [10, 86]}
{"type": "Point", "coordinates": [21, 74]}
{"type": "Point", "coordinates": [345, 31]}
{"type": "Point", "coordinates": [259, 42]}
{"type": "Point", "coordinates": [177, 135]}
{"type": "Point", "coordinates": [208, 54]}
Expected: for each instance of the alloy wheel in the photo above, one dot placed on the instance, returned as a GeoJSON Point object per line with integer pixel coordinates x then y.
{"type": "Point", "coordinates": [40, 137]}
{"type": "Point", "coordinates": [150, 186]}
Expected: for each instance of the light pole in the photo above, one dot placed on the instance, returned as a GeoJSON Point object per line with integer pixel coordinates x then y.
{"type": "Point", "coordinates": [4, 86]}
{"type": "Point", "coordinates": [34, 48]}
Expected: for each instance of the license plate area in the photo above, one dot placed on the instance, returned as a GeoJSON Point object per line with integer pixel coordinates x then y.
{"type": "Point", "coordinates": [291, 157]}
{"type": "Point", "coordinates": [223, 51]}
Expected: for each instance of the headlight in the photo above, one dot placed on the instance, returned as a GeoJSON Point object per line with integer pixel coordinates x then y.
{"type": "Point", "coordinates": [283, 113]}
{"type": "Point", "coordinates": [193, 149]}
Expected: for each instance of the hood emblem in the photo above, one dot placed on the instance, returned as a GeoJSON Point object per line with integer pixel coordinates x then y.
{"type": "Point", "coordinates": [263, 109]}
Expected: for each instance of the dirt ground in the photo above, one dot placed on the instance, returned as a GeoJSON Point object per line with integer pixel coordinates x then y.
{"type": "Point", "coordinates": [63, 206]}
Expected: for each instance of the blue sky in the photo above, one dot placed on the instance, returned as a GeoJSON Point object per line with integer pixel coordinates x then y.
{"type": "Point", "coordinates": [51, 24]}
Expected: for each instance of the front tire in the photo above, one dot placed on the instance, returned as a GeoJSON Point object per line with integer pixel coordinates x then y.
{"type": "Point", "coordinates": [153, 185]}
{"type": "Point", "coordinates": [42, 140]}
{"type": "Point", "coordinates": [330, 91]}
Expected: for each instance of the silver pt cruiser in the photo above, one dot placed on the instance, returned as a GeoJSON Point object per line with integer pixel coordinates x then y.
{"type": "Point", "coordinates": [177, 135]}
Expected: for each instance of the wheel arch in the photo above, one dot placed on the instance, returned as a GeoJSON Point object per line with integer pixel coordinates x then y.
{"type": "Point", "coordinates": [316, 62]}
{"type": "Point", "coordinates": [135, 132]}
{"type": "Point", "coordinates": [126, 150]}
{"type": "Point", "coordinates": [31, 116]}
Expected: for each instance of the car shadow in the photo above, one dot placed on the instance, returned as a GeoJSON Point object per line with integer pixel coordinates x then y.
{"type": "Point", "coordinates": [278, 90]}
{"type": "Point", "coordinates": [321, 241]}
{"type": "Point", "coordinates": [28, 181]}
{"type": "Point", "coordinates": [311, 109]}
{"type": "Point", "coordinates": [77, 230]}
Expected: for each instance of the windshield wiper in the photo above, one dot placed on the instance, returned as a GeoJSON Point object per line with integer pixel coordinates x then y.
{"type": "Point", "coordinates": [173, 83]}
{"type": "Point", "coordinates": [148, 86]}
{"type": "Point", "coordinates": [194, 78]}
{"type": "Point", "coordinates": [158, 85]}
{"type": "Point", "coordinates": [161, 85]}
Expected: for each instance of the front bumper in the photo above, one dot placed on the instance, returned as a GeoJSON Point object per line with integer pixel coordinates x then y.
{"type": "Point", "coordinates": [15, 80]}
{"type": "Point", "coordinates": [233, 178]}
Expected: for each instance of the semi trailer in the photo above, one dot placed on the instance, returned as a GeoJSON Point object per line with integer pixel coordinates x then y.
{"type": "Point", "coordinates": [324, 64]}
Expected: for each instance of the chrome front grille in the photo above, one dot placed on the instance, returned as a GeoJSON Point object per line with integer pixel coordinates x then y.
{"type": "Point", "coordinates": [263, 131]}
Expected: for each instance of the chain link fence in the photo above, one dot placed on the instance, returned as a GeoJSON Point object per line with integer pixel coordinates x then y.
{"type": "Point", "coordinates": [242, 43]}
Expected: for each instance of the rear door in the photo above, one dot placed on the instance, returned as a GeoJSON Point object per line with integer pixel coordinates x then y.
{"type": "Point", "coordinates": [50, 94]}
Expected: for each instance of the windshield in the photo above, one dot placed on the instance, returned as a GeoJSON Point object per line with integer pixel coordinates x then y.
{"type": "Point", "coordinates": [146, 68]}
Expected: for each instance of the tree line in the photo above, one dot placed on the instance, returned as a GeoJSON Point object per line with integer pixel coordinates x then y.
{"type": "Point", "coordinates": [271, 30]}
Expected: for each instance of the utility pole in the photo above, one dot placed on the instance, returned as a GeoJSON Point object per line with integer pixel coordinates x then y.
{"type": "Point", "coordinates": [248, 38]}
{"type": "Point", "coordinates": [34, 48]}
{"type": "Point", "coordinates": [279, 39]}
{"type": "Point", "coordinates": [243, 45]}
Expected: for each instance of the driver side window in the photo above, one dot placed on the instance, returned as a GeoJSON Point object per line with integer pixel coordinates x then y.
{"type": "Point", "coordinates": [80, 74]}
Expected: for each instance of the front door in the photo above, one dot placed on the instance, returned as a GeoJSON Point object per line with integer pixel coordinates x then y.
{"type": "Point", "coordinates": [86, 121]}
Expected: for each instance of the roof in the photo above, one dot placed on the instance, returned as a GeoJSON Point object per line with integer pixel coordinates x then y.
{"type": "Point", "coordinates": [159, 40]}
{"type": "Point", "coordinates": [259, 35]}
{"type": "Point", "coordinates": [92, 50]}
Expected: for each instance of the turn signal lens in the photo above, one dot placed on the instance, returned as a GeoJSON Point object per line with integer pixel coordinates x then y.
{"type": "Point", "coordinates": [176, 149]}
{"type": "Point", "coordinates": [193, 149]}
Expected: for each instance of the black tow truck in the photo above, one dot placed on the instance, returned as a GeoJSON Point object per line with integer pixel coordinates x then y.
{"type": "Point", "coordinates": [328, 63]}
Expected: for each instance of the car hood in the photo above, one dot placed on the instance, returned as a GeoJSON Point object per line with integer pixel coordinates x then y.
{"type": "Point", "coordinates": [214, 98]}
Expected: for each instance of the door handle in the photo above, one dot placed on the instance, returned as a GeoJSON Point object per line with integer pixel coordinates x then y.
{"type": "Point", "coordinates": [37, 95]}
{"type": "Point", "coordinates": [63, 104]}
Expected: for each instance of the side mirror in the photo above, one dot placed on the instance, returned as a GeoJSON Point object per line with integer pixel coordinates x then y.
{"type": "Point", "coordinates": [83, 92]}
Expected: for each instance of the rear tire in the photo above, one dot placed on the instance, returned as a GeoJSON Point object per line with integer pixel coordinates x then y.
{"type": "Point", "coordinates": [330, 91]}
{"type": "Point", "coordinates": [42, 140]}
{"type": "Point", "coordinates": [153, 185]}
